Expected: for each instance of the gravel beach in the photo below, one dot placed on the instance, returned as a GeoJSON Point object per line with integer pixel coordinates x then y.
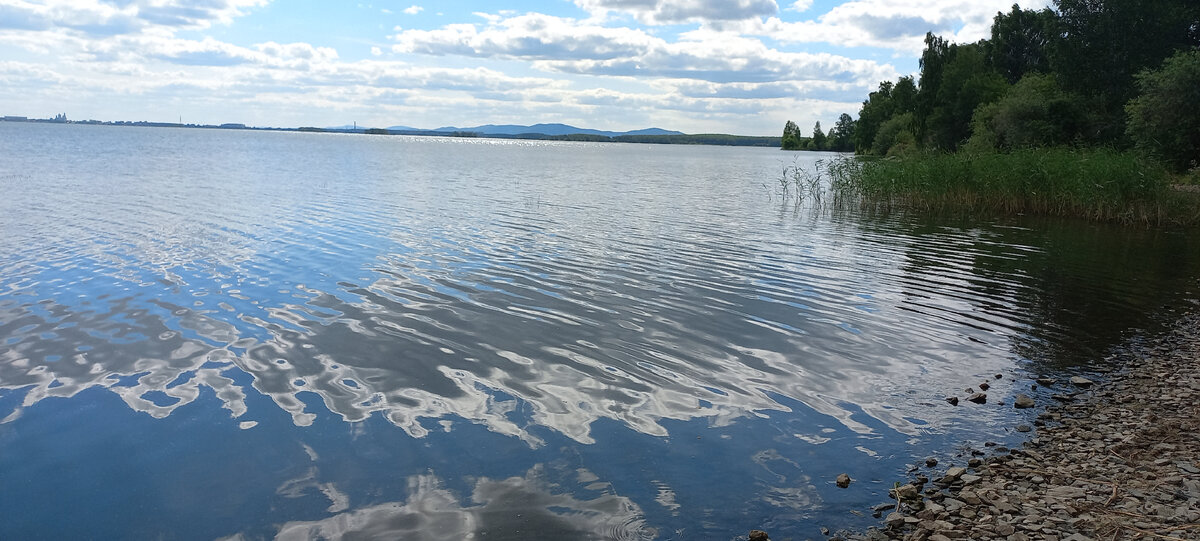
{"type": "Point", "coordinates": [1118, 459]}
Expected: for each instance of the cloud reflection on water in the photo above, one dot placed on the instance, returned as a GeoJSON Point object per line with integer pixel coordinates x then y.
{"type": "Point", "coordinates": [516, 508]}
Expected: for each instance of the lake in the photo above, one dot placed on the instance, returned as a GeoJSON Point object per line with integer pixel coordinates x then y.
{"type": "Point", "coordinates": [218, 334]}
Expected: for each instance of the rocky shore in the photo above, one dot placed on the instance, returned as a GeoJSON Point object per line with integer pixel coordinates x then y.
{"type": "Point", "coordinates": [1115, 460]}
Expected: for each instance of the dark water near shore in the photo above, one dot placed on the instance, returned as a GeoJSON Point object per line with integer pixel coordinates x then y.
{"type": "Point", "coordinates": [209, 334]}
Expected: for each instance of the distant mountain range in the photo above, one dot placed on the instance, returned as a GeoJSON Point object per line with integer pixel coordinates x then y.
{"type": "Point", "coordinates": [513, 129]}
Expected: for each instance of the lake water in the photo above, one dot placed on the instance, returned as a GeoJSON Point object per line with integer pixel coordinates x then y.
{"type": "Point", "coordinates": [233, 334]}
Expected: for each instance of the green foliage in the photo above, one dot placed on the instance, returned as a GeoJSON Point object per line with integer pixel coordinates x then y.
{"type": "Point", "coordinates": [1102, 44]}
{"type": "Point", "coordinates": [791, 137]}
{"type": "Point", "coordinates": [895, 136]}
{"type": "Point", "coordinates": [1035, 112]}
{"type": "Point", "coordinates": [1020, 41]}
{"type": "Point", "coordinates": [841, 137]}
{"type": "Point", "coordinates": [1164, 119]}
{"type": "Point", "coordinates": [818, 141]}
{"type": "Point", "coordinates": [1046, 85]}
{"type": "Point", "coordinates": [875, 111]}
{"type": "Point", "coordinates": [904, 96]}
{"type": "Point", "coordinates": [1099, 184]}
{"type": "Point", "coordinates": [967, 82]}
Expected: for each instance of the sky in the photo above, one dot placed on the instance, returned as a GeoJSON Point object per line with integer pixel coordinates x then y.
{"type": "Point", "coordinates": [697, 66]}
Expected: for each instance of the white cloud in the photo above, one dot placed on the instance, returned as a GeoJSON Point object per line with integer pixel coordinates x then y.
{"type": "Point", "coordinates": [413, 10]}
{"type": "Point", "coordinates": [892, 24]}
{"type": "Point", "coordinates": [568, 46]}
{"type": "Point", "coordinates": [376, 51]}
{"type": "Point", "coordinates": [530, 36]}
{"type": "Point", "coordinates": [682, 11]}
{"type": "Point", "coordinates": [100, 18]}
{"type": "Point", "coordinates": [800, 5]}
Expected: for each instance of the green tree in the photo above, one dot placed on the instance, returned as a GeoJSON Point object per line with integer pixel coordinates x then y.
{"type": "Point", "coordinates": [1020, 41]}
{"type": "Point", "coordinates": [1035, 112]}
{"type": "Point", "coordinates": [791, 136]}
{"type": "Point", "coordinates": [904, 96]}
{"type": "Point", "coordinates": [841, 137]}
{"type": "Point", "coordinates": [876, 109]}
{"type": "Point", "coordinates": [966, 83]}
{"type": "Point", "coordinates": [1102, 44]}
{"type": "Point", "coordinates": [1165, 119]}
{"type": "Point", "coordinates": [933, 62]}
{"type": "Point", "coordinates": [819, 140]}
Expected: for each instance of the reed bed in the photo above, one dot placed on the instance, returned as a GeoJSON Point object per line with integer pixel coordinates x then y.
{"type": "Point", "coordinates": [1097, 184]}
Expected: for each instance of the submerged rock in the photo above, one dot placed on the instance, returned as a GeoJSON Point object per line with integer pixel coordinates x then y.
{"type": "Point", "coordinates": [843, 481]}
{"type": "Point", "coordinates": [978, 398]}
{"type": "Point", "coordinates": [1081, 381]}
{"type": "Point", "coordinates": [1024, 402]}
{"type": "Point", "coordinates": [758, 535]}
{"type": "Point", "coordinates": [953, 400]}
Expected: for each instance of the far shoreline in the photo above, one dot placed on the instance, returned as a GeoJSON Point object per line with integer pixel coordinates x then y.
{"type": "Point", "coordinates": [710, 139]}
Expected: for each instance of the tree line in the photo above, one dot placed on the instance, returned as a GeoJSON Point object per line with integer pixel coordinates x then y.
{"type": "Point", "coordinates": [839, 139]}
{"type": "Point", "coordinates": [1087, 73]}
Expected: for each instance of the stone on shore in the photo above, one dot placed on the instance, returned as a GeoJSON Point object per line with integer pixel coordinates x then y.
{"type": "Point", "coordinates": [1081, 381]}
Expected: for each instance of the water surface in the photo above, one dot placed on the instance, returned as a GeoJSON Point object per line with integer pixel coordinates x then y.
{"type": "Point", "coordinates": [212, 333]}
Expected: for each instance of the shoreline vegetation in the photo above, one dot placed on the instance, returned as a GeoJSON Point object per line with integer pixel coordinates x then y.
{"type": "Point", "coordinates": [1096, 184]}
{"type": "Point", "coordinates": [1085, 110]}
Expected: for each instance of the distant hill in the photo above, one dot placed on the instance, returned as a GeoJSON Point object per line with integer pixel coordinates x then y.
{"type": "Point", "coordinates": [543, 129]}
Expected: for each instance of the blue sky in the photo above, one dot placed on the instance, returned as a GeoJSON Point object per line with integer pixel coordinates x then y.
{"type": "Point", "coordinates": [697, 66]}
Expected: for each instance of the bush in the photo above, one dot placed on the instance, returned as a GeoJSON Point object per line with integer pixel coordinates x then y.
{"type": "Point", "coordinates": [897, 130]}
{"type": "Point", "coordinates": [1035, 112]}
{"type": "Point", "coordinates": [1164, 120]}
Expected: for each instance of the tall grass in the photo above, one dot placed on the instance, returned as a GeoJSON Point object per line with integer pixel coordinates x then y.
{"type": "Point", "coordinates": [1098, 184]}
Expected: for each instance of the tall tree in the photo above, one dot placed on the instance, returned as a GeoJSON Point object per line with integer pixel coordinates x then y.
{"type": "Point", "coordinates": [933, 62]}
{"type": "Point", "coordinates": [876, 109]}
{"type": "Point", "coordinates": [841, 137]}
{"type": "Point", "coordinates": [1102, 44]}
{"type": "Point", "coordinates": [819, 140]}
{"type": "Point", "coordinates": [1020, 41]}
{"type": "Point", "coordinates": [966, 82]}
{"type": "Point", "coordinates": [791, 136]}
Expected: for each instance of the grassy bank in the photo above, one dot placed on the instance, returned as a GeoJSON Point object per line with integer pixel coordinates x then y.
{"type": "Point", "coordinates": [1098, 184]}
